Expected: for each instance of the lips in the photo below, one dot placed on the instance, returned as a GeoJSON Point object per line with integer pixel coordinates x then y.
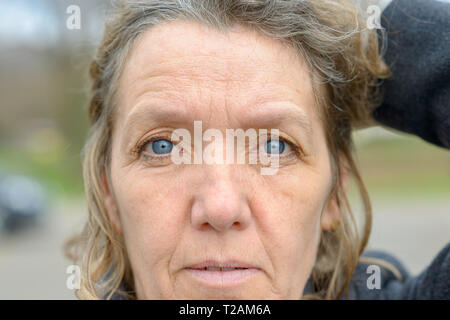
{"type": "Point", "coordinates": [219, 269]}
{"type": "Point", "coordinates": [222, 274]}
{"type": "Point", "coordinates": [229, 265]}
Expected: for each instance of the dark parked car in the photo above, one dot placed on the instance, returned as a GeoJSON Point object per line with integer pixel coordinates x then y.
{"type": "Point", "coordinates": [22, 202]}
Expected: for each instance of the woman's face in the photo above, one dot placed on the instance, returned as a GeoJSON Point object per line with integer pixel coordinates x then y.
{"type": "Point", "coordinates": [256, 234]}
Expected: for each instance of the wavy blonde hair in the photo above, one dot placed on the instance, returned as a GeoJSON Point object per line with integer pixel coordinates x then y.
{"type": "Point", "coordinates": [345, 64]}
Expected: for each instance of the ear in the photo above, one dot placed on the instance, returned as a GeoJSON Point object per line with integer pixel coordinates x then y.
{"type": "Point", "coordinates": [331, 217]}
{"type": "Point", "coordinates": [110, 206]}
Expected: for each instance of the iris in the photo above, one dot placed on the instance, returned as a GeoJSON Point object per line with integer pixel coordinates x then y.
{"type": "Point", "coordinates": [162, 146]}
{"type": "Point", "coordinates": [275, 146]}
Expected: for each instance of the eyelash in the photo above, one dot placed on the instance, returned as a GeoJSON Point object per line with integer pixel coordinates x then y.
{"type": "Point", "coordinates": [139, 150]}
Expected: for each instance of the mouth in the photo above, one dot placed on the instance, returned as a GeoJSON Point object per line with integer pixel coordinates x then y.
{"type": "Point", "coordinates": [222, 274]}
{"type": "Point", "coordinates": [220, 269]}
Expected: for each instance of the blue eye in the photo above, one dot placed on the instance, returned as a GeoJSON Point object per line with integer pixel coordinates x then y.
{"type": "Point", "coordinates": [275, 146]}
{"type": "Point", "coordinates": [162, 146]}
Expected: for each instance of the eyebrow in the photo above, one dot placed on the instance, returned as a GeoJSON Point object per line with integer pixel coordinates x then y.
{"type": "Point", "coordinates": [266, 115]}
{"type": "Point", "coordinates": [278, 113]}
{"type": "Point", "coordinates": [155, 114]}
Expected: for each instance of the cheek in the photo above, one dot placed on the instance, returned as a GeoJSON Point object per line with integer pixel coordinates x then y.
{"type": "Point", "coordinates": [291, 209]}
{"type": "Point", "coordinates": [150, 208]}
{"type": "Point", "coordinates": [293, 205]}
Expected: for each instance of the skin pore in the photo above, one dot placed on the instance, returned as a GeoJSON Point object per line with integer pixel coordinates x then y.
{"type": "Point", "coordinates": [175, 216]}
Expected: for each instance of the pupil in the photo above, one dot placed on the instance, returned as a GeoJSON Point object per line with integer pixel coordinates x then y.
{"type": "Point", "coordinates": [162, 146]}
{"type": "Point", "coordinates": [275, 147]}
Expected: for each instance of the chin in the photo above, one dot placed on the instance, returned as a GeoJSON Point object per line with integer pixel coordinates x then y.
{"type": "Point", "coordinates": [244, 292]}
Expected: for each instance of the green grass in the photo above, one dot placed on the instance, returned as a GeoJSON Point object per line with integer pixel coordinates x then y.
{"type": "Point", "coordinates": [60, 178]}
{"type": "Point", "coordinates": [405, 167]}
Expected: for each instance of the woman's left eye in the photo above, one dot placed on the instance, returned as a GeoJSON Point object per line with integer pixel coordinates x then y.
{"type": "Point", "coordinates": [276, 146]}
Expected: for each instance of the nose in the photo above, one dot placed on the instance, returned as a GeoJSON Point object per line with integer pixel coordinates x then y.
{"type": "Point", "coordinates": [220, 203]}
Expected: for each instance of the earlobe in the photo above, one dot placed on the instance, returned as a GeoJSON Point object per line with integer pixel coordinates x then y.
{"type": "Point", "coordinates": [331, 217]}
{"type": "Point", "coordinates": [111, 207]}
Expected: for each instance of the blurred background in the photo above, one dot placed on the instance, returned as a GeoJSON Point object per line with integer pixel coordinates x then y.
{"type": "Point", "coordinates": [43, 123]}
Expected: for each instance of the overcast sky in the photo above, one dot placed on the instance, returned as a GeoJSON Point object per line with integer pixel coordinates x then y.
{"type": "Point", "coordinates": [42, 22]}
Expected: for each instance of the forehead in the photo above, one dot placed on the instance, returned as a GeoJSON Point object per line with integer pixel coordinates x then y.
{"type": "Point", "coordinates": [188, 61]}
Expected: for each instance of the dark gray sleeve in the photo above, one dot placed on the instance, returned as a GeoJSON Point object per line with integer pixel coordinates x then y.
{"type": "Point", "coordinates": [433, 283]}
{"type": "Point", "coordinates": [417, 97]}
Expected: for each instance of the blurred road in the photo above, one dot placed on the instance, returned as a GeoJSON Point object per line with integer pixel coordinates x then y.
{"type": "Point", "coordinates": [32, 265]}
{"type": "Point", "coordinates": [414, 230]}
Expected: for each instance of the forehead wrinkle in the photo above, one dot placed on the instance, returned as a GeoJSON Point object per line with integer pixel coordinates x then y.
{"type": "Point", "coordinates": [259, 98]}
{"type": "Point", "coordinates": [194, 100]}
{"type": "Point", "coordinates": [173, 75]}
{"type": "Point", "coordinates": [170, 84]}
{"type": "Point", "coordinates": [221, 66]}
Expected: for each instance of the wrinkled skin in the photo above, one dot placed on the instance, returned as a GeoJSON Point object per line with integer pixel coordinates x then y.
{"type": "Point", "coordinates": [173, 216]}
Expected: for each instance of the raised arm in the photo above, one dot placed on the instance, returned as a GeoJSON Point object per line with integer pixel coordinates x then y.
{"type": "Point", "coordinates": [417, 96]}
